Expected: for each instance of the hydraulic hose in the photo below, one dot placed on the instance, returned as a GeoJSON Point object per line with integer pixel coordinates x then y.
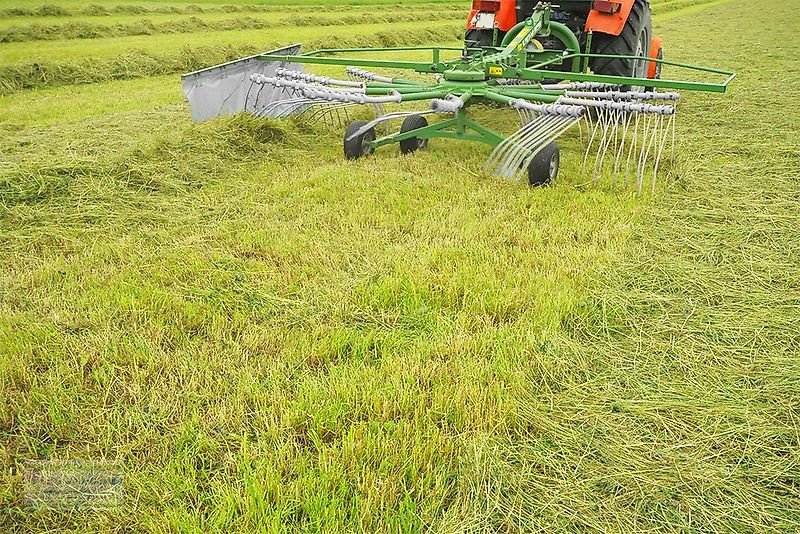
{"type": "Point", "coordinates": [562, 33]}
{"type": "Point", "coordinates": [565, 35]}
{"type": "Point", "coordinates": [512, 33]}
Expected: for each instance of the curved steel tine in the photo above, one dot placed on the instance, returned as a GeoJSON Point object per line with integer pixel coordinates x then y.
{"type": "Point", "coordinates": [324, 111]}
{"type": "Point", "coordinates": [507, 144]}
{"type": "Point", "coordinates": [664, 137]}
{"type": "Point", "coordinates": [301, 104]}
{"type": "Point", "coordinates": [506, 166]}
{"type": "Point", "coordinates": [335, 109]}
{"type": "Point", "coordinates": [608, 137]}
{"type": "Point", "coordinates": [528, 143]}
{"type": "Point", "coordinates": [504, 153]}
{"type": "Point", "coordinates": [643, 154]}
{"type": "Point", "coordinates": [272, 106]}
{"type": "Point", "coordinates": [314, 111]}
{"type": "Point", "coordinates": [555, 134]}
{"type": "Point", "coordinates": [635, 141]}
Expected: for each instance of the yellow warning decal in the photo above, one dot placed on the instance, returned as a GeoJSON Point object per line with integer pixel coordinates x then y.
{"type": "Point", "coordinates": [495, 71]}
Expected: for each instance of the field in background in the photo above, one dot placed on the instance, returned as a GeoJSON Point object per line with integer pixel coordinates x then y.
{"type": "Point", "coordinates": [263, 334]}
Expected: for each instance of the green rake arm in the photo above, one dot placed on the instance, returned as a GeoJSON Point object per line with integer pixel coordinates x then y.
{"type": "Point", "coordinates": [489, 69]}
{"type": "Point", "coordinates": [537, 72]}
{"type": "Point", "coordinates": [316, 58]}
{"type": "Point", "coordinates": [513, 60]}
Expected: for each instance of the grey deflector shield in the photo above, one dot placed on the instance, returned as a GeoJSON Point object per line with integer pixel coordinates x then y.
{"type": "Point", "coordinates": [226, 89]}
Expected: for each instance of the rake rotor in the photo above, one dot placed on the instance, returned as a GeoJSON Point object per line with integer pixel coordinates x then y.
{"type": "Point", "coordinates": [628, 128]}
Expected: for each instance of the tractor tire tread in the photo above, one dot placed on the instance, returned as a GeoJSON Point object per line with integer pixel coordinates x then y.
{"type": "Point", "coordinates": [623, 44]}
{"type": "Point", "coordinates": [412, 144]}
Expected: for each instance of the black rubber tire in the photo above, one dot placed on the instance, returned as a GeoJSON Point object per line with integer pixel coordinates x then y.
{"type": "Point", "coordinates": [544, 167]}
{"type": "Point", "coordinates": [480, 38]}
{"type": "Point", "coordinates": [359, 145]}
{"type": "Point", "coordinates": [638, 26]}
{"type": "Point", "coordinates": [412, 144]}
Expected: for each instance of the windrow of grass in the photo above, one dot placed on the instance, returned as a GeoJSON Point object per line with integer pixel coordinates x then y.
{"type": "Point", "coordinates": [80, 49]}
{"type": "Point", "coordinates": [660, 7]}
{"type": "Point", "coordinates": [98, 10]}
{"type": "Point", "coordinates": [134, 64]}
{"type": "Point", "coordinates": [148, 166]}
{"type": "Point", "coordinates": [86, 30]}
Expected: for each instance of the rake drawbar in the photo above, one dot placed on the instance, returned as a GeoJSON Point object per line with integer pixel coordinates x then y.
{"type": "Point", "coordinates": [629, 120]}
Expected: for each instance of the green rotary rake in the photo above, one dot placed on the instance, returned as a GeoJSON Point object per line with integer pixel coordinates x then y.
{"type": "Point", "coordinates": [628, 120]}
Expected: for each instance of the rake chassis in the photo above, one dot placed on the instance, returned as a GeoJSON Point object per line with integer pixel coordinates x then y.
{"type": "Point", "coordinates": [518, 73]}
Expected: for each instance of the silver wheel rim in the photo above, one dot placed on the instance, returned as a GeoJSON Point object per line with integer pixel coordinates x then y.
{"type": "Point", "coordinates": [553, 166]}
{"type": "Point", "coordinates": [366, 148]}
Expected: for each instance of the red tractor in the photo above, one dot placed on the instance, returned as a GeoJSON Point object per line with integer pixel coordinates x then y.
{"type": "Point", "coordinates": [617, 27]}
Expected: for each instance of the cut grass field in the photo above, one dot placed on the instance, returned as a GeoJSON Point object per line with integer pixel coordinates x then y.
{"type": "Point", "coordinates": [267, 337]}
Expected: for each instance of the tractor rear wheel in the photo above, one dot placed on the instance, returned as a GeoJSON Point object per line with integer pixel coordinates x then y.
{"type": "Point", "coordinates": [479, 38]}
{"type": "Point", "coordinates": [633, 41]}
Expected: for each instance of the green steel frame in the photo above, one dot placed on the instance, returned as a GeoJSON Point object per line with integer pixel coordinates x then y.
{"type": "Point", "coordinates": [460, 127]}
{"type": "Point", "coordinates": [473, 76]}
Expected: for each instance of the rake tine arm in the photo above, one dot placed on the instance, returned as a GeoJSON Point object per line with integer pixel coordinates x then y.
{"type": "Point", "coordinates": [450, 103]}
{"type": "Point", "coordinates": [315, 93]}
{"type": "Point", "coordinates": [561, 109]}
{"type": "Point", "coordinates": [526, 95]}
{"type": "Point", "coordinates": [623, 95]}
{"type": "Point", "coordinates": [372, 77]}
{"type": "Point", "coordinates": [579, 86]}
{"type": "Point", "coordinates": [385, 89]}
{"type": "Point", "coordinates": [423, 95]}
{"type": "Point", "coordinates": [620, 106]}
{"type": "Point", "coordinates": [290, 84]}
{"type": "Point", "coordinates": [312, 78]}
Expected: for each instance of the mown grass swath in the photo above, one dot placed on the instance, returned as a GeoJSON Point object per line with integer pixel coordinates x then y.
{"type": "Point", "coordinates": [35, 32]}
{"type": "Point", "coordinates": [111, 8]}
{"type": "Point", "coordinates": [134, 64]}
{"type": "Point", "coordinates": [266, 336]}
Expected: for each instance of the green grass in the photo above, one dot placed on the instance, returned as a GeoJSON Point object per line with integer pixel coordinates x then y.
{"type": "Point", "coordinates": [39, 51]}
{"type": "Point", "coordinates": [129, 15]}
{"type": "Point", "coordinates": [67, 7]}
{"type": "Point", "coordinates": [140, 63]}
{"type": "Point", "coordinates": [270, 338]}
{"type": "Point", "coordinates": [90, 28]}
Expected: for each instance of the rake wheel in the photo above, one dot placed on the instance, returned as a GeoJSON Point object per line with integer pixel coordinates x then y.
{"type": "Point", "coordinates": [355, 147]}
{"type": "Point", "coordinates": [412, 144]}
{"type": "Point", "coordinates": [544, 167]}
